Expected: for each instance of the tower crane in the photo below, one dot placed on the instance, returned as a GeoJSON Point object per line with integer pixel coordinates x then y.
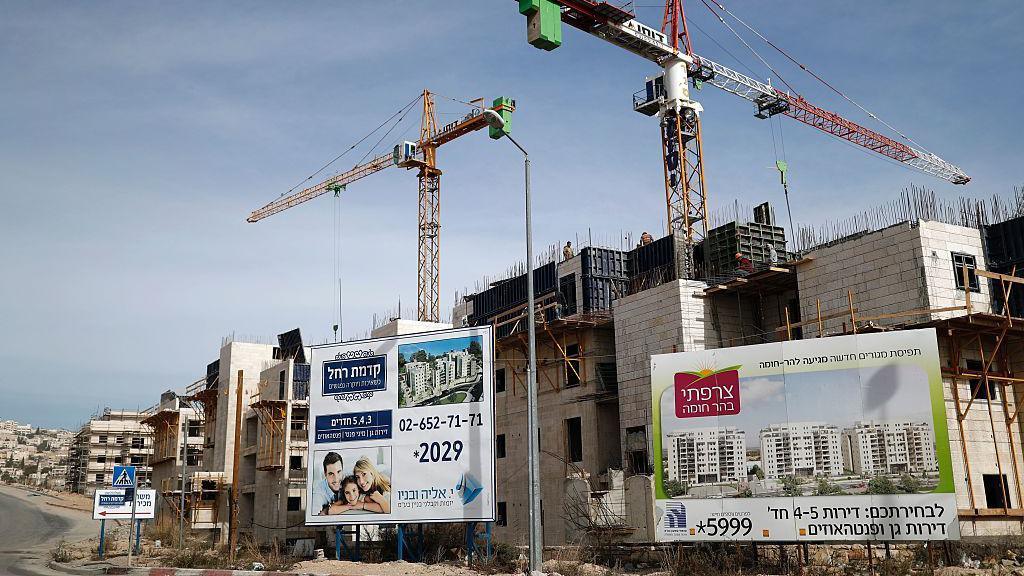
{"type": "Point", "coordinates": [422, 156]}
{"type": "Point", "coordinates": [668, 96]}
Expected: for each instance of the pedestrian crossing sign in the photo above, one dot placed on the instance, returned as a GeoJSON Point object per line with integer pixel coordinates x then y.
{"type": "Point", "coordinates": [124, 476]}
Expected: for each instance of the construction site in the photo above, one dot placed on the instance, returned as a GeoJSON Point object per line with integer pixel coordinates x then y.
{"type": "Point", "coordinates": [229, 454]}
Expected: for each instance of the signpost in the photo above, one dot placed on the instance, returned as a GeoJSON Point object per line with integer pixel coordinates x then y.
{"type": "Point", "coordinates": [117, 504]}
{"type": "Point", "coordinates": [831, 439]}
{"type": "Point", "coordinates": [124, 477]}
{"type": "Point", "coordinates": [401, 430]}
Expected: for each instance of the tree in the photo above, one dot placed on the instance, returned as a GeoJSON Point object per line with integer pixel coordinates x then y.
{"type": "Point", "coordinates": [675, 488]}
{"type": "Point", "coordinates": [475, 349]}
{"type": "Point", "coordinates": [791, 486]}
{"type": "Point", "coordinates": [756, 471]}
{"type": "Point", "coordinates": [882, 485]}
{"type": "Point", "coordinates": [744, 491]}
{"type": "Point", "coordinates": [909, 484]}
{"type": "Point", "coordinates": [825, 488]}
{"type": "Point", "coordinates": [420, 356]}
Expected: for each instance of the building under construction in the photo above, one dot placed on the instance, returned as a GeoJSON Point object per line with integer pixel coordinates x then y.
{"type": "Point", "coordinates": [602, 313]}
{"type": "Point", "coordinates": [111, 438]}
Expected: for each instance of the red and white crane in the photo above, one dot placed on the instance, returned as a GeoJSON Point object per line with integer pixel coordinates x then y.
{"type": "Point", "coordinates": [668, 96]}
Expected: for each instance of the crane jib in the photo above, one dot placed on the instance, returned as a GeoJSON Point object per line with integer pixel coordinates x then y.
{"type": "Point", "coordinates": [617, 27]}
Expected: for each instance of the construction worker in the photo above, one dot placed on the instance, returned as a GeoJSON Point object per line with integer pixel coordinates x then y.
{"type": "Point", "coordinates": [645, 239]}
{"type": "Point", "coordinates": [743, 264]}
{"type": "Point", "coordinates": [567, 252]}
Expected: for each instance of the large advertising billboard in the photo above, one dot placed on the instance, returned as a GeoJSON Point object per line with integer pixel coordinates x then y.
{"type": "Point", "coordinates": [840, 438]}
{"type": "Point", "coordinates": [402, 429]}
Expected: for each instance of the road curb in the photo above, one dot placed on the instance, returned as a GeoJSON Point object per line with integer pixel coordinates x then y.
{"type": "Point", "coordinates": [193, 572]}
{"type": "Point", "coordinates": [58, 567]}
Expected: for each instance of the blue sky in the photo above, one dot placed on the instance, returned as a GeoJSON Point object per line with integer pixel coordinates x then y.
{"type": "Point", "coordinates": [138, 136]}
{"type": "Point", "coordinates": [437, 347]}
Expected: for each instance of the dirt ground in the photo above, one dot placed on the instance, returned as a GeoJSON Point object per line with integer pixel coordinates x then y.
{"type": "Point", "coordinates": [345, 568]}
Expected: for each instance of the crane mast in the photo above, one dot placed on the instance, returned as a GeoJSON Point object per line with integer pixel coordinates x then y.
{"type": "Point", "coordinates": [428, 260]}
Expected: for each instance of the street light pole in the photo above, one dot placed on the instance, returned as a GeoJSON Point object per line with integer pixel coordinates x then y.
{"type": "Point", "coordinates": [533, 421]}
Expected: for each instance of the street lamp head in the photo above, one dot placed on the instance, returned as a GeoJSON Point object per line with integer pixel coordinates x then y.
{"type": "Point", "coordinates": [494, 120]}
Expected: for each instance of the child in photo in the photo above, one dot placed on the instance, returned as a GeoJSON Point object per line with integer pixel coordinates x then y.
{"type": "Point", "coordinates": [350, 497]}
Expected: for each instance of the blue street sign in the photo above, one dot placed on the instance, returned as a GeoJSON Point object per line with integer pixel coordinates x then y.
{"type": "Point", "coordinates": [124, 477]}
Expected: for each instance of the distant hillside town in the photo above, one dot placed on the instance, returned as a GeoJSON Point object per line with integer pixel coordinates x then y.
{"type": "Point", "coordinates": [33, 455]}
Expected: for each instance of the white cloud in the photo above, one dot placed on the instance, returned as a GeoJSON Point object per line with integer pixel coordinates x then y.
{"type": "Point", "coordinates": [755, 390]}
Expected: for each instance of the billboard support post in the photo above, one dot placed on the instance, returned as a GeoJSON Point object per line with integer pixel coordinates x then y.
{"type": "Point", "coordinates": [103, 527]}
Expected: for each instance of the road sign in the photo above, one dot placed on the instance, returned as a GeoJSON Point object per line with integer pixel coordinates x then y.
{"type": "Point", "coordinates": [112, 504]}
{"type": "Point", "coordinates": [124, 477]}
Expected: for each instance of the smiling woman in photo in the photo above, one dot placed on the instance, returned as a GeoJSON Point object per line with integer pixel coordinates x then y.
{"type": "Point", "coordinates": [374, 486]}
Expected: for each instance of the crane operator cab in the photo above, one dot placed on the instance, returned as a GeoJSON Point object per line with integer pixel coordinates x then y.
{"type": "Point", "coordinates": [407, 154]}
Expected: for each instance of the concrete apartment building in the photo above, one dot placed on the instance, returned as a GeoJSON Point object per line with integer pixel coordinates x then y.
{"type": "Point", "coordinates": [576, 382]}
{"type": "Point", "coordinates": [700, 456]}
{"type": "Point", "coordinates": [115, 437]}
{"type": "Point", "coordinates": [275, 454]}
{"type": "Point", "coordinates": [258, 393]}
{"type": "Point", "coordinates": [871, 448]}
{"type": "Point", "coordinates": [801, 449]}
{"type": "Point", "coordinates": [178, 443]}
{"type": "Point", "coordinates": [926, 269]}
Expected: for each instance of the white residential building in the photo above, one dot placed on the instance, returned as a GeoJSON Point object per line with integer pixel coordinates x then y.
{"type": "Point", "coordinates": [417, 378]}
{"type": "Point", "coordinates": [801, 449]}
{"type": "Point", "coordinates": [889, 448]}
{"type": "Point", "coordinates": [117, 437]}
{"type": "Point", "coordinates": [707, 455]}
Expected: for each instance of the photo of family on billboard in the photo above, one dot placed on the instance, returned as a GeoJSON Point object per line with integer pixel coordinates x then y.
{"type": "Point", "coordinates": [352, 481]}
{"type": "Point", "coordinates": [437, 372]}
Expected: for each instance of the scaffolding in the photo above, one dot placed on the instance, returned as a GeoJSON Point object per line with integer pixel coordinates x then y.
{"type": "Point", "coordinates": [271, 440]}
{"type": "Point", "coordinates": [166, 428]}
{"type": "Point", "coordinates": [553, 330]}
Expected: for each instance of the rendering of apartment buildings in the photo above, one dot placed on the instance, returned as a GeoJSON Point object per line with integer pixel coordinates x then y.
{"type": "Point", "coordinates": [801, 449]}
{"type": "Point", "coordinates": [115, 437]}
{"type": "Point", "coordinates": [707, 456]}
{"type": "Point", "coordinates": [424, 379]}
{"type": "Point", "coordinates": [889, 448]}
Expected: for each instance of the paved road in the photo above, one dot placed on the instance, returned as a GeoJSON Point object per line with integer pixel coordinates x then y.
{"type": "Point", "coordinates": [29, 529]}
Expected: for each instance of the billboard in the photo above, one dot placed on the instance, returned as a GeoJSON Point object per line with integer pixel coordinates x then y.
{"type": "Point", "coordinates": [402, 429]}
{"type": "Point", "coordinates": [840, 438]}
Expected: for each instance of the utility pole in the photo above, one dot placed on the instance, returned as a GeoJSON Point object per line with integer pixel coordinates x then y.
{"type": "Point", "coordinates": [184, 465]}
{"type": "Point", "coordinates": [233, 537]}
